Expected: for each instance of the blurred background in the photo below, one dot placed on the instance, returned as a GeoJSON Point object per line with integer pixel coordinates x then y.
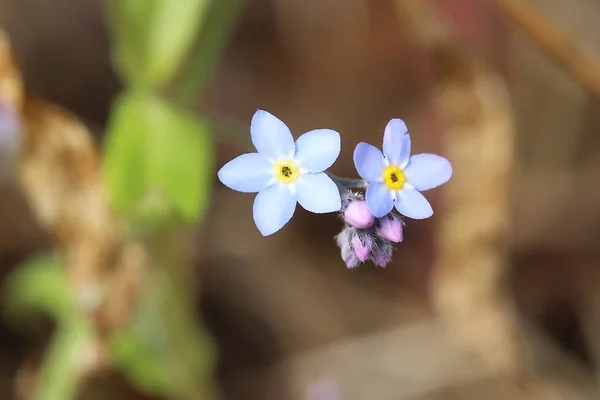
{"type": "Point", "coordinates": [494, 297]}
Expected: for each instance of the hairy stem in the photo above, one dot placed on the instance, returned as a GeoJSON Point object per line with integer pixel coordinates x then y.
{"type": "Point", "coordinates": [347, 183]}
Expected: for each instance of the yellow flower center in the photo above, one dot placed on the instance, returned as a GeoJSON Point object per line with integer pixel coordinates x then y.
{"type": "Point", "coordinates": [393, 177]}
{"type": "Point", "coordinates": [286, 171]}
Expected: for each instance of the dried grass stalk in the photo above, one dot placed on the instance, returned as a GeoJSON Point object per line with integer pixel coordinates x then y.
{"type": "Point", "coordinates": [61, 177]}
{"type": "Point", "coordinates": [468, 288]}
{"type": "Point", "coordinates": [573, 58]}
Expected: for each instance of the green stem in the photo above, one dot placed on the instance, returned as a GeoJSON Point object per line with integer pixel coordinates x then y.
{"type": "Point", "coordinates": [347, 183]}
{"type": "Point", "coordinates": [59, 378]}
{"type": "Point", "coordinates": [190, 349]}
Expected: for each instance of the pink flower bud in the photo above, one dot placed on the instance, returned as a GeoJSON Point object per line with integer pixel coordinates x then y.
{"type": "Point", "coordinates": [380, 259]}
{"type": "Point", "coordinates": [390, 228]}
{"type": "Point", "coordinates": [362, 250]}
{"type": "Point", "coordinates": [357, 214]}
{"type": "Point", "coordinates": [351, 262]}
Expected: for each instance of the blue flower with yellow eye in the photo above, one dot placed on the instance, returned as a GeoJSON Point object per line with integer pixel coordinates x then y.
{"type": "Point", "coordinates": [395, 179]}
{"type": "Point", "coordinates": [284, 172]}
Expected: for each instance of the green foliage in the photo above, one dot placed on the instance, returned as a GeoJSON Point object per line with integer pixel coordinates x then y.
{"type": "Point", "coordinates": [58, 379]}
{"type": "Point", "coordinates": [130, 21]}
{"type": "Point", "coordinates": [152, 37]}
{"type": "Point", "coordinates": [158, 164]}
{"type": "Point", "coordinates": [153, 147]}
{"type": "Point", "coordinates": [174, 29]}
{"type": "Point", "coordinates": [39, 285]}
{"type": "Point", "coordinates": [215, 32]}
{"type": "Point", "coordinates": [163, 349]}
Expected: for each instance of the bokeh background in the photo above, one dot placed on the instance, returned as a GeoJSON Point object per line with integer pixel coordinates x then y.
{"type": "Point", "coordinates": [494, 297]}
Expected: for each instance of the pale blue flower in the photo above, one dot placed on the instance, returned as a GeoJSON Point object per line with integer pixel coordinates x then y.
{"type": "Point", "coordinates": [395, 179]}
{"type": "Point", "coordinates": [284, 172]}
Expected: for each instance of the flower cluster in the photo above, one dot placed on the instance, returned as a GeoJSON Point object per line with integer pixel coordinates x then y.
{"type": "Point", "coordinates": [365, 237]}
{"type": "Point", "coordinates": [285, 172]}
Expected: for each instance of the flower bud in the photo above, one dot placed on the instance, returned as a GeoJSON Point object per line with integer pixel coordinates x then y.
{"type": "Point", "coordinates": [362, 248]}
{"type": "Point", "coordinates": [390, 228]}
{"type": "Point", "coordinates": [382, 254]}
{"type": "Point", "coordinates": [357, 214]}
{"type": "Point", "coordinates": [358, 245]}
{"type": "Point", "coordinates": [344, 242]}
{"type": "Point", "coordinates": [380, 259]}
{"type": "Point", "coordinates": [351, 261]}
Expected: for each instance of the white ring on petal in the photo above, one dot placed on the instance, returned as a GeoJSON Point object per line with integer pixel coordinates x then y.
{"type": "Point", "coordinates": [271, 137]}
{"type": "Point", "coordinates": [318, 149]}
{"type": "Point", "coordinates": [369, 162]}
{"type": "Point", "coordinates": [318, 194]}
{"type": "Point", "coordinates": [412, 204]}
{"type": "Point", "coordinates": [380, 199]}
{"type": "Point", "coordinates": [248, 173]}
{"type": "Point", "coordinates": [427, 171]}
{"type": "Point", "coordinates": [273, 208]}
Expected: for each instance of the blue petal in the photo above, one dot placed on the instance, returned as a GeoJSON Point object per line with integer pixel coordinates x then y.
{"type": "Point", "coordinates": [273, 208]}
{"type": "Point", "coordinates": [369, 162]}
{"type": "Point", "coordinates": [317, 150]}
{"type": "Point", "coordinates": [317, 193]}
{"type": "Point", "coordinates": [271, 137]}
{"type": "Point", "coordinates": [412, 204]}
{"type": "Point", "coordinates": [380, 199]}
{"type": "Point", "coordinates": [426, 171]}
{"type": "Point", "coordinates": [248, 173]}
{"type": "Point", "coordinates": [396, 142]}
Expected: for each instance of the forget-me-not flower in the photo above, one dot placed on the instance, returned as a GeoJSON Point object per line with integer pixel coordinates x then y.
{"type": "Point", "coordinates": [284, 172]}
{"type": "Point", "coordinates": [395, 179]}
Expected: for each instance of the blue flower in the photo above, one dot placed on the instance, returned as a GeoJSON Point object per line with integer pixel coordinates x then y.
{"type": "Point", "coordinates": [395, 178]}
{"type": "Point", "coordinates": [284, 172]}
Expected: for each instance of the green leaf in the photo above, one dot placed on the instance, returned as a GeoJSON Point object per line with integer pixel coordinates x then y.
{"type": "Point", "coordinates": [124, 157]}
{"type": "Point", "coordinates": [38, 285]}
{"type": "Point", "coordinates": [153, 147]}
{"type": "Point", "coordinates": [174, 27]}
{"type": "Point", "coordinates": [151, 37]}
{"type": "Point", "coordinates": [129, 22]}
{"type": "Point", "coordinates": [181, 156]}
{"type": "Point", "coordinates": [202, 59]}
{"type": "Point", "coordinates": [137, 358]}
